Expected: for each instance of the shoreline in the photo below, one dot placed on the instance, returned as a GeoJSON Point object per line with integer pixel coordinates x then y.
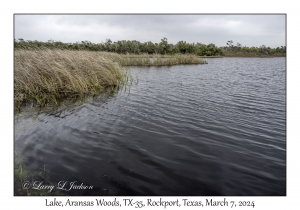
{"type": "Point", "coordinates": [254, 56]}
{"type": "Point", "coordinates": [244, 56]}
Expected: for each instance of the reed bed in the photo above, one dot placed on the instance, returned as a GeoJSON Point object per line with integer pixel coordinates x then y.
{"type": "Point", "coordinates": [49, 76]}
{"type": "Point", "coordinates": [45, 76]}
{"type": "Point", "coordinates": [155, 59]}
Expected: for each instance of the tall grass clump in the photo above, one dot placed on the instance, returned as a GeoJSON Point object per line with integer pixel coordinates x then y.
{"type": "Point", "coordinates": [48, 76]}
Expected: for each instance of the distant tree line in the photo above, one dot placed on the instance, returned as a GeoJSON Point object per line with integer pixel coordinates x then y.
{"type": "Point", "coordinates": [163, 47]}
{"type": "Point", "coordinates": [238, 50]}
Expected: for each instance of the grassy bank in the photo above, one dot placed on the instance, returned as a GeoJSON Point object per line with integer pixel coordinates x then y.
{"type": "Point", "coordinates": [48, 76]}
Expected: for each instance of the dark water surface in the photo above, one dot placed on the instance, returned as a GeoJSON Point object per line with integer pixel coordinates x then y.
{"type": "Point", "coordinates": [216, 129]}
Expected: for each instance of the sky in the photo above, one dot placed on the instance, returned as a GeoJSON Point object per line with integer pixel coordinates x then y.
{"type": "Point", "coordinates": [248, 30]}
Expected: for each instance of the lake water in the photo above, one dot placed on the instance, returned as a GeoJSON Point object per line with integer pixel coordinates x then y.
{"type": "Point", "coordinates": [215, 129]}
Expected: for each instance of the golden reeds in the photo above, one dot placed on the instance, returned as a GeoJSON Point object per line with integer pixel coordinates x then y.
{"type": "Point", "coordinates": [47, 75]}
{"type": "Point", "coordinates": [155, 59]}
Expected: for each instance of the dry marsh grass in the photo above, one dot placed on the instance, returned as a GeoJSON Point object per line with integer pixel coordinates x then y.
{"type": "Point", "coordinates": [155, 59]}
{"type": "Point", "coordinates": [45, 76]}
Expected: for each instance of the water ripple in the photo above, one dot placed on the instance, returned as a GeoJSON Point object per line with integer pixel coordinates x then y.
{"type": "Point", "coordinates": [216, 129]}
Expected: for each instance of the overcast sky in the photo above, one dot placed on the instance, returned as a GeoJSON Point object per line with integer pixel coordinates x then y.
{"type": "Point", "coordinates": [249, 30]}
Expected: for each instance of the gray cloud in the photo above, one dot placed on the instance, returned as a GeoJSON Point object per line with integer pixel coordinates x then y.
{"type": "Point", "coordinates": [249, 30]}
